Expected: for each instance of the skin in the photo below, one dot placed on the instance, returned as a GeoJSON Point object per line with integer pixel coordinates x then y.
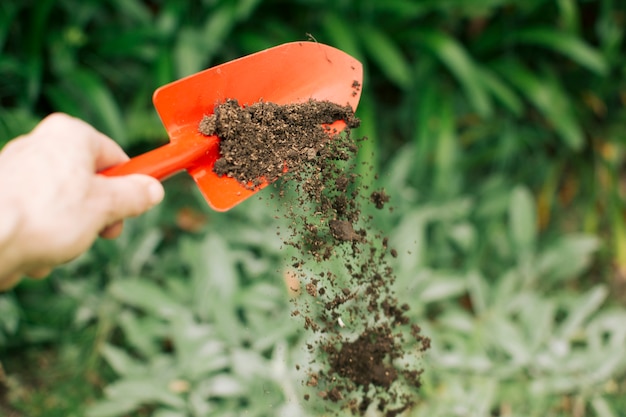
{"type": "Point", "coordinates": [54, 205]}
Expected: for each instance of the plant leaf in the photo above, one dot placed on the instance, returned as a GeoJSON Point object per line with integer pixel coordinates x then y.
{"type": "Point", "coordinates": [548, 97]}
{"type": "Point", "coordinates": [567, 258]}
{"type": "Point", "coordinates": [145, 295]}
{"type": "Point", "coordinates": [120, 361]}
{"type": "Point", "coordinates": [389, 58]}
{"type": "Point", "coordinates": [566, 44]}
{"type": "Point", "coordinates": [460, 64]}
{"type": "Point", "coordinates": [111, 408]}
{"type": "Point", "coordinates": [523, 220]}
{"type": "Point", "coordinates": [584, 308]}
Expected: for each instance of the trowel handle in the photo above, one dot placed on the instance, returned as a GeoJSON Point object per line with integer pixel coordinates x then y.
{"type": "Point", "coordinates": [164, 161]}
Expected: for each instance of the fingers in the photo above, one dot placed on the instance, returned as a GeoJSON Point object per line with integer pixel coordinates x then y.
{"type": "Point", "coordinates": [108, 153]}
{"type": "Point", "coordinates": [75, 132]}
{"type": "Point", "coordinates": [9, 282]}
{"type": "Point", "coordinates": [112, 231]}
{"type": "Point", "coordinates": [39, 272]}
{"type": "Point", "coordinates": [12, 280]}
{"type": "Point", "coordinates": [117, 198]}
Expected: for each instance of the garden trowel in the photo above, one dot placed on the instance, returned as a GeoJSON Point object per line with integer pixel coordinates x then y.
{"type": "Point", "coordinates": [289, 73]}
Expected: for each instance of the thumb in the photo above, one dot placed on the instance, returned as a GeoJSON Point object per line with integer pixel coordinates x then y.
{"type": "Point", "coordinates": [126, 196]}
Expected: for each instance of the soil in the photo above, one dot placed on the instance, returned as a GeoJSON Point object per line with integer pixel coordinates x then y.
{"type": "Point", "coordinates": [260, 142]}
{"type": "Point", "coordinates": [366, 350]}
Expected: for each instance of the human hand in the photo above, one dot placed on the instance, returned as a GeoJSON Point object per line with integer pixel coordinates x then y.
{"type": "Point", "coordinates": [53, 204]}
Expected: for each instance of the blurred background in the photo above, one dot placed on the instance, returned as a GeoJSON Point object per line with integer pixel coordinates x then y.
{"type": "Point", "coordinates": [498, 127]}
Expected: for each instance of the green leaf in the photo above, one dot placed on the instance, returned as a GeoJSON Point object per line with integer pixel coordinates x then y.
{"type": "Point", "coordinates": [425, 128]}
{"type": "Point", "coordinates": [222, 386]}
{"type": "Point", "coordinates": [441, 288]}
{"type": "Point", "coordinates": [387, 55]}
{"type": "Point", "coordinates": [548, 97]}
{"type": "Point", "coordinates": [602, 408]}
{"type": "Point", "coordinates": [583, 309]}
{"type": "Point", "coordinates": [341, 35]}
{"type": "Point", "coordinates": [120, 361]}
{"type": "Point", "coordinates": [169, 413]}
{"type": "Point", "coordinates": [145, 295]}
{"type": "Point", "coordinates": [478, 291]}
{"type": "Point", "coordinates": [199, 350]}
{"type": "Point", "coordinates": [9, 314]}
{"type": "Point", "coordinates": [143, 250]}
{"type": "Point", "coordinates": [538, 316]}
{"type": "Point", "coordinates": [446, 151]}
{"type": "Point", "coordinates": [500, 90]}
{"type": "Point", "coordinates": [14, 122]}
{"type": "Point", "coordinates": [85, 95]}
{"type": "Point", "coordinates": [458, 320]}
{"type": "Point", "coordinates": [507, 335]}
{"type": "Point", "coordinates": [464, 235]}
{"type": "Point", "coordinates": [188, 52]}
{"type": "Point", "coordinates": [196, 47]}
{"type": "Point", "coordinates": [369, 148]}
{"type": "Point", "coordinates": [143, 391]}
{"type": "Point", "coordinates": [567, 258]}
{"type": "Point", "coordinates": [566, 44]}
{"type": "Point", "coordinates": [112, 408]}
{"type": "Point", "coordinates": [245, 8]}
{"type": "Point", "coordinates": [402, 9]}
{"type": "Point", "coordinates": [215, 282]}
{"type": "Point", "coordinates": [461, 65]}
{"type": "Point", "coordinates": [410, 235]}
{"type": "Point", "coordinates": [136, 10]}
{"type": "Point", "coordinates": [8, 13]}
{"type": "Point", "coordinates": [523, 220]}
{"type": "Point", "coordinates": [569, 15]}
{"type": "Point", "coordinates": [141, 334]}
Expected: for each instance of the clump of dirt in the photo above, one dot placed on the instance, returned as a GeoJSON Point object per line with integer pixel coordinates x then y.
{"type": "Point", "coordinates": [258, 142]}
{"type": "Point", "coordinates": [365, 346]}
{"type": "Point", "coordinates": [379, 198]}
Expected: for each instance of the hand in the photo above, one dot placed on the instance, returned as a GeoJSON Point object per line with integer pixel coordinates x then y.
{"type": "Point", "coordinates": [53, 204]}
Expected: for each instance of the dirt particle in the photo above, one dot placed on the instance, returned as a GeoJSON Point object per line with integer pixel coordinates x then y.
{"type": "Point", "coordinates": [343, 230]}
{"type": "Point", "coordinates": [311, 289]}
{"type": "Point", "coordinates": [379, 198]}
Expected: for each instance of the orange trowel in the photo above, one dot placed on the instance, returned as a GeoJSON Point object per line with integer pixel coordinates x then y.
{"type": "Point", "coordinates": [289, 73]}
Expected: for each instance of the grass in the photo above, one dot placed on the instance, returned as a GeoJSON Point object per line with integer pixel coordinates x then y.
{"type": "Point", "coordinates": [43, 383]}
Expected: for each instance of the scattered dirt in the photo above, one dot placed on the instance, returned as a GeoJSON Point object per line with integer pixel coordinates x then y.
{"type": "Point", "coordinates": [366, 350]}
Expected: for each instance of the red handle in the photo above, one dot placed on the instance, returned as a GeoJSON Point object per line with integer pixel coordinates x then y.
{"type": "Point", "coordinates": [166, 160]}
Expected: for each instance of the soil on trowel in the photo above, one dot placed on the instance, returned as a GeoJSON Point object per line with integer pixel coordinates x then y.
{"type": "Point", "coordinates": [258, 142]}
{"type": "Point", "coordinates": [365, 349]}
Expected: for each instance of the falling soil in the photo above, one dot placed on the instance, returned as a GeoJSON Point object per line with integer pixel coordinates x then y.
{"type": "Point", "coordinates": [366, 350]}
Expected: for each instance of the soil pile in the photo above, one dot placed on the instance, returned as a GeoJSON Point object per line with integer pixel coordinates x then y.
{"type": "Point", "coordinates": [366, 349]}
{"type": "Point", "coordinates": [259, 141]}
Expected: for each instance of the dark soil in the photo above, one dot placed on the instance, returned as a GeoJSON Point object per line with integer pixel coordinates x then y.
{"type": "Point", "coordinates": [379, 198]}
{"type": "Point", "coordinates": [259, 142]}
{"type": "Point", "coordinates": [363, 341]}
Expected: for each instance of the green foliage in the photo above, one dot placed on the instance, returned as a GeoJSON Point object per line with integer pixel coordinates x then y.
{"type": "Point", "coordinates": [506, 334]}
{"type": "Point", "coordinates": [497, 127]}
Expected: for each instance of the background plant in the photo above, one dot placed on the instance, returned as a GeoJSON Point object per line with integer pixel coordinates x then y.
{"type": "Point", "coordinates": [497, 127]}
